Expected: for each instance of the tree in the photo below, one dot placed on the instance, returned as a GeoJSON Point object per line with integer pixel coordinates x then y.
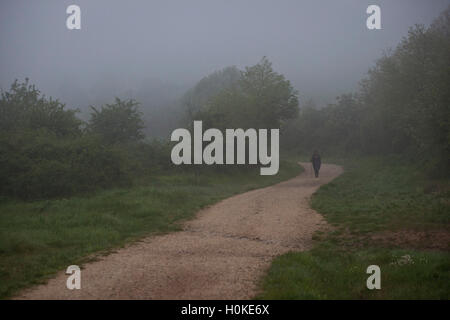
{"type": "Point", "coordinates": [196, 98]}
{"type": "Point", "coordinates": [406, 97]}
{"type": "Point", "coordinates": [402, 106]}
{"type": "Point", "coordinates": [120, 122]}
{"type": "Point", "coordinates": [270, 96]}
{"type": "Point", "coordinates": [260, 98]}
{"type": "Point", "coordinates": [23, 108]}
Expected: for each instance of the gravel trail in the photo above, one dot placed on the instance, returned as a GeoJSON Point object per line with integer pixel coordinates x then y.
{"type": "Point", "coordinates": [221, 254]}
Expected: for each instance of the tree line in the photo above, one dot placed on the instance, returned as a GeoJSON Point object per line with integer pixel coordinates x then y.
{"type": "Point", "coordinates": [46, 151]}
{"type": "Point", "coordinates": [401, 108]}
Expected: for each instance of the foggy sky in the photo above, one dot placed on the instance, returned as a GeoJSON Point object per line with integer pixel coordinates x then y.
{"type": "Point", "coordinates": [323, 47]}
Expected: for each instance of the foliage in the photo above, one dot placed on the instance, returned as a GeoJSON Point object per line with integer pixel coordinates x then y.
{"type": "Point", "coordinates": [41, 165]}
{"type": "Point", "coordinates": [373, 196]}
{"type": "Point", "coordinates": [119, 122]}
{"type": "Point", "coordinates": [402, 106]}
{"type": "Point", "coordinates": [24, 108]}
{"type": "Point", "coordinates": [40, 238]}
{"type": "Point", "coordinates": [209, 86]}
{"type": "Point", "coordinates": [45, 153]}
{"type": "Point", "coordinates": [259, 98]}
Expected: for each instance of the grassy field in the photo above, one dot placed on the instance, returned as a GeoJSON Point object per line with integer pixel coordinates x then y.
{"type": "Point", "coordinates": [37, 239]}
{"type": "Point", "coordinates": [381, 212]}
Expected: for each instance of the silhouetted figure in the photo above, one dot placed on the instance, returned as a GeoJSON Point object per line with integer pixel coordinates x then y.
{"type": "Point", "coordinates": [316, 162]}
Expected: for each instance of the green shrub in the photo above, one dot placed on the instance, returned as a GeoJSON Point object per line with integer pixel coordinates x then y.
{"type": "Point", "coordinates": [40, 164]}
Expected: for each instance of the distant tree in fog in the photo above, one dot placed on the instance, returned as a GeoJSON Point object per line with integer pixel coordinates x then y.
{"type": "Point", "coordinates": [118, 122]}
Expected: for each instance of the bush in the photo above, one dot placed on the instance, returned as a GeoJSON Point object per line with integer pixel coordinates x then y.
{"type": "Point", "coordinates": [40, 165]}
{"type": "Point", "coordinates": [44, 153]}
{"type": "Point", "coordinates": [24, 108]}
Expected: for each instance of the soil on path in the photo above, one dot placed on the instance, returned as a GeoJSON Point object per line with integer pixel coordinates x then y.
{"type": "Point", "coordinates": [221, 254]}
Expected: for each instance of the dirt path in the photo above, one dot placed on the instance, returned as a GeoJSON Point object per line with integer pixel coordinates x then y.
{"type": "Point", "coordinates": [220, 255]}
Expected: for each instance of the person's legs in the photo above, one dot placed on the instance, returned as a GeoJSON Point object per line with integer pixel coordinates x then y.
{"type": "Point", "coordinates": [316, 172]}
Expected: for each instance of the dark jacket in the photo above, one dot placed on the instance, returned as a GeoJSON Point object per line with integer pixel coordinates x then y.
{"type": "Point", "coordinates": [316, 162]}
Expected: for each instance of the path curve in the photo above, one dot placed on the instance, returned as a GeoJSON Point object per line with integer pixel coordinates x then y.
{"type": "Point", "coordinates": [221, 254]}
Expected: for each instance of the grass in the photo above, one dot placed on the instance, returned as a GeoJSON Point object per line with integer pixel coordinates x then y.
{"type": "Point", "coordinates": [376, 195]}
{"type": "Point", "coordinates": [38, 239]}
{"type": "Point", "coordinates": [372, 197]}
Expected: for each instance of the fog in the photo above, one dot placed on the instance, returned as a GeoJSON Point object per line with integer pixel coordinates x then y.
{"type": "Point", "coordinates": [161, 48]}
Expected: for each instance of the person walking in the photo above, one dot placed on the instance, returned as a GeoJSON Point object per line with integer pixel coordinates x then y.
{"type": "Point", "coordinates": [316, 162]}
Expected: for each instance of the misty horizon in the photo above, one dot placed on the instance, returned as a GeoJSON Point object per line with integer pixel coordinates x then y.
{"type": "Point", "coordinates": [164, 48]}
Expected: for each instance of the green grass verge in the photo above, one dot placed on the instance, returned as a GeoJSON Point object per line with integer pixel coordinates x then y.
{"type": "Point", "coordinates": [372, 196]}
{"type": "Point", "coordinates": [37, 239]}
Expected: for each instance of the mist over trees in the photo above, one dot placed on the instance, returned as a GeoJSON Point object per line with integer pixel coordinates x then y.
{"type": "Point", "coordinates": [159, 101]}
{"type": "Point", "coordinates": [402, 106]}
{"type": "Point", "coordinates": [23, 109]}
{"type": "Point", "coordinates": [257, 97]}
{"type": "Point", "coordinates": [117, 122]}
{"type": "Point", "coordinates": [47, 151]}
